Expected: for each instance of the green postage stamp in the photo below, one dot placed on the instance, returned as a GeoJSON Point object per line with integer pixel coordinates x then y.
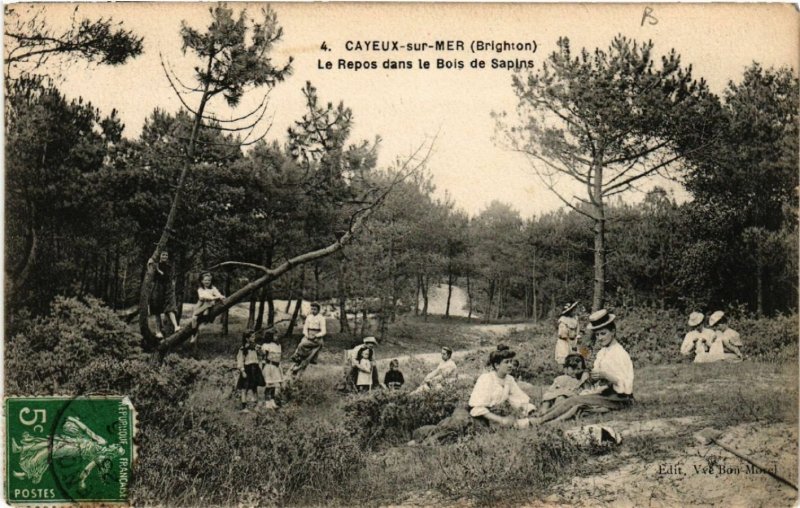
{"type": "Point", "coordinates": [68, 449]}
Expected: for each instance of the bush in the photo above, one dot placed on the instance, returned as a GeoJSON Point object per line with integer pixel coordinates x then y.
{"type": "Point", "coordinates": [386, 417]}
{"type": "Point", "coordinates": [46, 353]}
{"type": "Point", "coordinates": [258, 459]}
{"type": "Point", "coordinates": [509, 464]}
{"type": "Point", "coordinates": [769, 339]}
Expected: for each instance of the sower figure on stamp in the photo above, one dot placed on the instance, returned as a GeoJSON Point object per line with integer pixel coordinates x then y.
{"type": "Point", "coordinates": [162, 298]}
{"type": "Point", "coordinates": [310, 345]}
{"type": "Point", "coordinates": [75, 442]}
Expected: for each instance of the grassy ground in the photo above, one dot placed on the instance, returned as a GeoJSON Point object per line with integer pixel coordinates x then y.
{"type": "Point", "coordinates": [505, 467]}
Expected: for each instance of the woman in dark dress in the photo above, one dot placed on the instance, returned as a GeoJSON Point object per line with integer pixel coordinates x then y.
{"type": "Point", "coordinates": [162, 298]}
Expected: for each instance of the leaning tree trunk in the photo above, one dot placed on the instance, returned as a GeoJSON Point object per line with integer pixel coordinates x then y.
{"type": "Point", "coordinates": [148, 337]}
{"type": "Point", "coordinates": [270, 274]}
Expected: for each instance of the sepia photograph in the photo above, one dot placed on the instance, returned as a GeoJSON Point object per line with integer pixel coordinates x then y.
{"type": "Point", "coordinates": [401, 254]}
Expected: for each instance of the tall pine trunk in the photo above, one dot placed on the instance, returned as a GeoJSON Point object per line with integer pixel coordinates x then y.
{"type": "Point", "coordinates": [449, 294]}
{"type": "Point", "coordinates": [598, 296]}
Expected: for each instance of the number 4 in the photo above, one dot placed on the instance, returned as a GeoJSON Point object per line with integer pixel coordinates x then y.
{"type": "Point", "coordinates": [324, 46]}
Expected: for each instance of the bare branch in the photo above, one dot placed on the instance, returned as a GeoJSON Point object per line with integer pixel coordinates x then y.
{"type": "Point", "coordinates": [239, 263]}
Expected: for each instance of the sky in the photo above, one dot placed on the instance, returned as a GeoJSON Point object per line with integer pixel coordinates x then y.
{"type": "Point", "coordinates": [408, 108]}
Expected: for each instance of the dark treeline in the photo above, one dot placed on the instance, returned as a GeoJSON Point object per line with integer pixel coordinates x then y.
{"type": "Point", "coordinates": [85, 207]}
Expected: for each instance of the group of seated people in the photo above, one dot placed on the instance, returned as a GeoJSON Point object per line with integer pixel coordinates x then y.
{"type": "Point", "coordinates": [497, 399]}
{"type": "Point", "coordinates": [713, 341]}
{"type": "Point", "coordinates": [361, 372]}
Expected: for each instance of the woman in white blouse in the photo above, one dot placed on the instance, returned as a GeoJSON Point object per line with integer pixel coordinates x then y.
{"type": "Point", "coordinates": [496, 387]}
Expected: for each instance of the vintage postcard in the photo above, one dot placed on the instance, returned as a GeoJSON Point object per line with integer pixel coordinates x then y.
{"type": "Point", "coordinates": [401, 254]}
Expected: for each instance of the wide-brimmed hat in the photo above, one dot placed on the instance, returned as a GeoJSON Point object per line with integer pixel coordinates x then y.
{"type": "Point", "coordinates": [695, 318]}
{"type": "Point", "coordinates": [568, 307]}
{"type": "Point", "coordinates": [715, 317]}
{"type": "Point", "coordinates": [600, 319]}
{"type": "Point", "coordinates": [370, 340]}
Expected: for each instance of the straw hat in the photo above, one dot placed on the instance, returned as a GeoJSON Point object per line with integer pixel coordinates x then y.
{"type": "Point", "coordinates": [600, 319]}
{"type": "Point", "coordinates": [715, 317]}
{"type": "Point", "coordinates": [370, 340]}
{"type": "Point", "coordinates": [568, 307]}
{"type": "Point", "coordinates": [695, 318]}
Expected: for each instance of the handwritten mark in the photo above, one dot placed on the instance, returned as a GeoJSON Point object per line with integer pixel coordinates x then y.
{"type": "Point", "coordinates": [648, 16]}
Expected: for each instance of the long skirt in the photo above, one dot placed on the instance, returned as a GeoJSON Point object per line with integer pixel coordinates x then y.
{"type": "Point", "coordinates": [162, 299]}
{"type": "Point", "coordinates": [603, 401]}
{"type": "Point", "coordinates": [253, 380]}
{"type": "Point", "coordinates": [460, 423]}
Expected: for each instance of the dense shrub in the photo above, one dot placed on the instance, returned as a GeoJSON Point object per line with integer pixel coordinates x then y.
{"type": "Point", "coordinates": [508, 465]}
{"type": "Point", "coordinates": [769, 339]}
{"type": "Point", "coordinates": [263, 459]}
{"type": "Point", "coordinates": [45, 353]}
{"type": "Point", "coordinates": [156, 390]}
{"type": "Point", "coordinates": [390, 417]}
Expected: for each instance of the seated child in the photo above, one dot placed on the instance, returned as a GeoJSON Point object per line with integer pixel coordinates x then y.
{"type": "Point", "coordinates": [394, 378]}
{"type": "Point", "coordinates": [566, 385]}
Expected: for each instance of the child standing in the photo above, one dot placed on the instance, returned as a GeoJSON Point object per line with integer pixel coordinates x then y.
{"type": "Point", "coordinates": [394, 378]}
{"type": "Point", "coordinates": [250, 377]}
{"type": "Point", "coordinates": [364, 366]}
{"type": "Point", "coordinates": [207, 297]}
{"type": "Point", "coordinates": [567, 341]}
{"type": "Point", "coordinates": [273, 377]}
{"type": "Point", "coordinates": [567, 384]}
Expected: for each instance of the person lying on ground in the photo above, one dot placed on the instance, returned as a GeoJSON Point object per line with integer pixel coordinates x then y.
{"type": "Point", "coordinates": [444, 373]}
{"type": "Point", "coordinates": [566, 385]}
{"type": "Point", "coordinates": [207, 296]}
{"type": "Point", "coordinates": [492, 391]}
{"type": "Point", "coordinates": [727, 341]}
{"type": "Point", "coordinates": [612, 370]}
{"type": "Point", "coordinates": [307, 351]}
{"type": "Point", "coordinates": [394, 379]}
{"type": "Point", "coordinates": [698, 338]}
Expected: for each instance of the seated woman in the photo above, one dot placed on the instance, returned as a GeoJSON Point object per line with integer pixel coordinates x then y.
{"type": "Point", "coordinates": [698, 338]}
{"type": "Point", "coordinates": [497, 387]}
{"type": "Point", "coordinates": [492, 390]}
{"type": "Point", "coordinates": [444, 374]}
{"type": "Point", "coordinates": [727, 341]}
{"type": "Point", "coordinates": [613, 370]}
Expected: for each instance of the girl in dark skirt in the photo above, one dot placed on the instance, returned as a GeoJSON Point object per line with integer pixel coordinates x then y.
{"type": "Point", "coordinates": [250, 376]}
